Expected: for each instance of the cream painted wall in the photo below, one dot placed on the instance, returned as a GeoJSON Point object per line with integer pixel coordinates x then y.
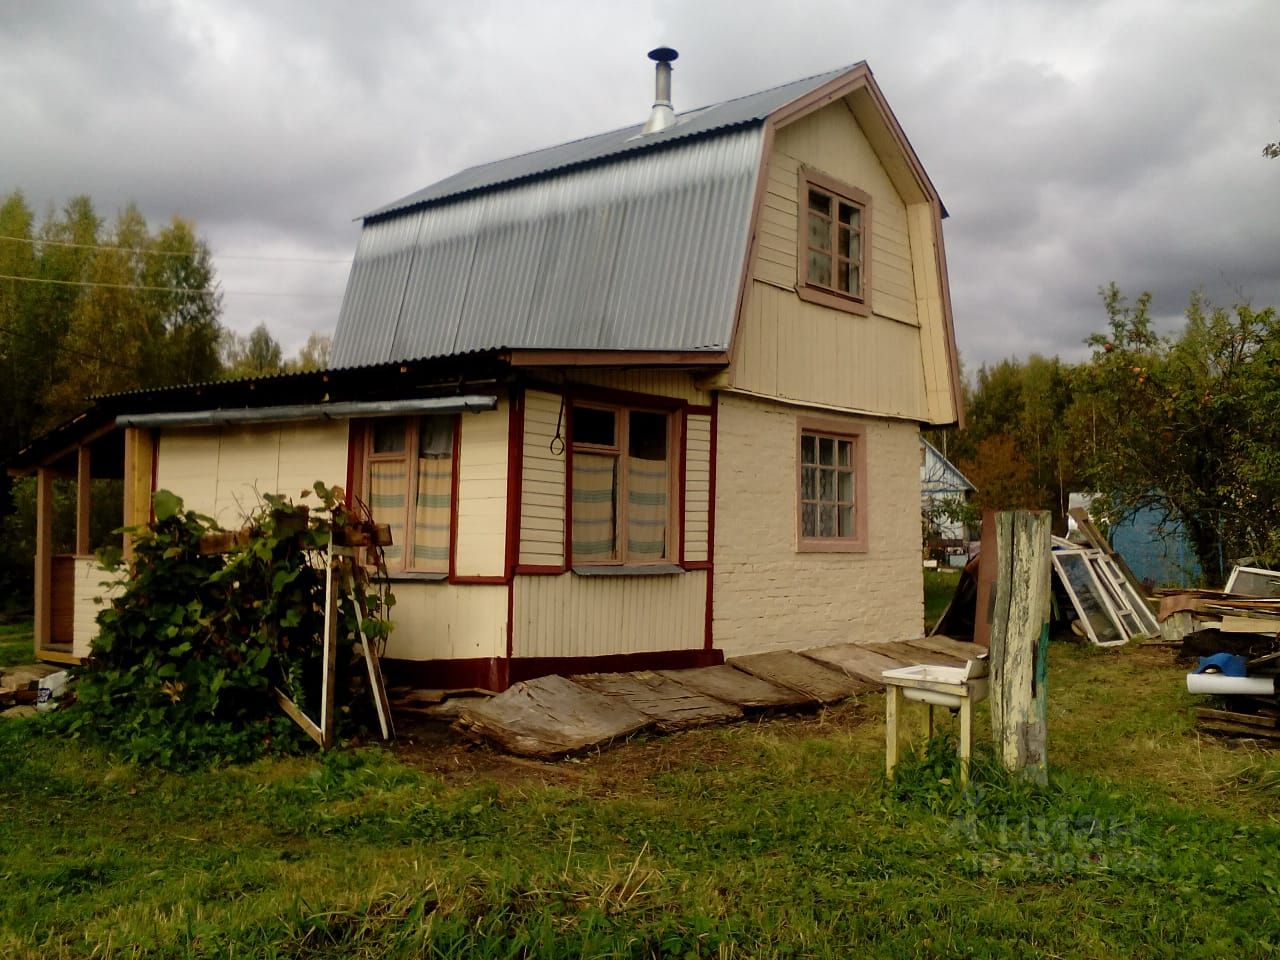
{"type": "Point", "coordinates": [575, 616]}
{"type": "Point", "coordinates": [445, 621]}
{"type": "Point", "coordinates": [697, 487]}
{"type": "Point", "coordinates": [222, 472]}
{"type": "Point", "coordinates": [893, 363]}
{"type": "Point", "coordinates": [542, 505]}
{"type": "Point", "coordinates": [767, 595]}
{"type": "Point", "coordinates": [482, 493]}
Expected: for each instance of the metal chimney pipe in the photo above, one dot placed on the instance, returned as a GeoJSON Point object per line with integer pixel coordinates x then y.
{"type": "Point", "coordinates": [662, 116]}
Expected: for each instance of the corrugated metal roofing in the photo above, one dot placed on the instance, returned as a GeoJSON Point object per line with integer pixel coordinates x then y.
{"type": "Point", "coordinates": [621, 241]}
{"type": "Point", "coordinates": [751, 109]}
{"type": "Point", "coordinates": [641, 253]}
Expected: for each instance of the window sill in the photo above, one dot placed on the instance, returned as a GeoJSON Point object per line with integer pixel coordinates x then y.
{"type": "Point", "coordinates": [632, 570]}
{"type": "Point", "coordinates": [829, 298]}
{"type": "Point", "coordinates": [831, 546]}
{"type": "Point", "coordinates": [416, 576]}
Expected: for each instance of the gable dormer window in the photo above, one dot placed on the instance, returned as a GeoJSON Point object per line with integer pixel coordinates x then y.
{"type": "Point", "coordinates": [834, 243]}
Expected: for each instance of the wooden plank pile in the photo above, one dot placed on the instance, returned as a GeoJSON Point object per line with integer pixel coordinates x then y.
{"type": "Point", "coordinates": [1244, 620]}
{"type": "Point", "coordinates": [555, 716]}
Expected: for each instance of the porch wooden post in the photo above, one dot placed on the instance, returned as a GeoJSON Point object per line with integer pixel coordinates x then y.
{"type": "Point", "coordinates": [139, 457]}
{"type": "Point", "coordinates": [1020, 641]}
{"type": "Point", "coordinates": [44, 559]}
{"type": "Point", "coordinates": [84, 488]}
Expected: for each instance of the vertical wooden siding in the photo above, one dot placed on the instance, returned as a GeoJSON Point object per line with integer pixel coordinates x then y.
{"type": "Point", "coordinates": [575, 616]}
{"type": "Point", "coordinates": [697, 487]}
{"type": "Point", "coordinates": [223, 472]}
{"type": "Point", "coordinates": [446, 621]}
{"type": "Point", "coordinates": [482, 494]}
{"type": "Point", "coordinates": [543, 487]}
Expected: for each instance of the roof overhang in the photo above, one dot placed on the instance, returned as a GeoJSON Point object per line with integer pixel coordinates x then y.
{"type": "Point", "coordinates": [299, 412]}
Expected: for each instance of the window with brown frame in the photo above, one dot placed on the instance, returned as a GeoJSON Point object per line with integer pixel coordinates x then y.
{"type": "Point", "coordinates": [408, 484]}
{"type": "Point", "coordinates": [831, 494]}
{"type": "Point", "coordinates": [621, 485]}
{"type": "Point", "coordinates": [835, 240]}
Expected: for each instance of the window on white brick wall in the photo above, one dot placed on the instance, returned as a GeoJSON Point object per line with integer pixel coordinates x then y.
{"type": "Point", "coordinates": [831, 487]}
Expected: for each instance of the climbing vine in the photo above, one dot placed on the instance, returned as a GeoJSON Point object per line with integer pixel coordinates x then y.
{"type": "Point", "coordinates": [207, 625]}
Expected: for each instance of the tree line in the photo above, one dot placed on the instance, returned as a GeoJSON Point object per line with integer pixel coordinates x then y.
{"type": "Point", "coordinates": [1182, 423]}
{"type": "Point", "coordinates": [90, 307]}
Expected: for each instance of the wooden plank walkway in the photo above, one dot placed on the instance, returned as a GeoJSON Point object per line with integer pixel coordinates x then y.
{"type": "Point", "coordinates": [555, 716]}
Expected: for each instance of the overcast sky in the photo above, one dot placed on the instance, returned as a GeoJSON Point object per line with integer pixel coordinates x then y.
{"type": "Point", "coordinates": [1074, 142]}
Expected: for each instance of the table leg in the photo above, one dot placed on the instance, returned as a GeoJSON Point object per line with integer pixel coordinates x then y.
{"type": "Point", "coordinates": [966, 738]}
{"type": "Point", "coordinates": [892, 711]}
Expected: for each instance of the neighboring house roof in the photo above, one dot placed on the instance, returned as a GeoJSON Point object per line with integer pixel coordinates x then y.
{"type": "Point", "coordinates": [938, 475]}
{"type": "Point", "coordinates": [621, 241]}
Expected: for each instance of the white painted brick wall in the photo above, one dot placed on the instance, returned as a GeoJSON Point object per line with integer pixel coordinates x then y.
{"type": "Point", "coordinates": [768, 596]}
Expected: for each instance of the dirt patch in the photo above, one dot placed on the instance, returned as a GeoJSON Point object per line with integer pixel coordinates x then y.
{"type": "Point", "coordinates": [435, 748]}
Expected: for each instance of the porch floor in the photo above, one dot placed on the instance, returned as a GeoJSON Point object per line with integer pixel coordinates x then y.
{"type": "Point", "coordinates": [554, 716]}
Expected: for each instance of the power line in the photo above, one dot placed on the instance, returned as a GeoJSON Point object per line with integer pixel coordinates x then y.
{"type": "Point", "coordinates": [148, 289]}
{"type": "Point", "coordinates": [168, 253]}
{"type": "Point", "coordinates": [63, 348]}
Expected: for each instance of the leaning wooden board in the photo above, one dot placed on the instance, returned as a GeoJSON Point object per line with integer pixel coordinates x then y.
{"type": "Point", "coordinates": [789, 669]}
{"type": "Point", "coordinates": [549, 717]}
{"type": "Point", "coordinates": [738, 688]}
{"type": "Point", "coordinates": [668, 704]}
{"type": "Point", "coordinates": [954, 648]}
{"type": "Point", "coordinates": [857, 661]}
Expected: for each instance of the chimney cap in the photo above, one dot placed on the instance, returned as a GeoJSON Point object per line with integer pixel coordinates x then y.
{"type": "Point", "coordinates": [663, 54]}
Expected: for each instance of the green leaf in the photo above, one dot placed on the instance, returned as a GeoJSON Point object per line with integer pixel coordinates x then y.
{"type": "Point", "coordinates": [166, 504]}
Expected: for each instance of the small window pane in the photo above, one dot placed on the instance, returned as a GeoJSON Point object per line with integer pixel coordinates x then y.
{"type": "Point", "coordinates": [846, 453]}
{"type": "Point", "coordinates": [435, 438]}
{"type": "Point", "coordinates": [849, 214]}
{"type": "Point", "coordinates": [808, 449]}
{"type": "Point", "coordinates": [819, 233]}
{"type": "Point", "coordinates": [820, 202]}
{"type": "Point", "coordinates": [593, 426]}
{"type": "Point", "coordinates": [647, 437]}
{"type": "Point", "coordinates": [855, 280]}
{"type": "Point", "coordinates": [808, 483]}
{"type": "Point", "coordinates": [846, 488]}
{"type": "Point", "coordinates": [827, 485]}
{"type": "Point", "coordinates": [388, 435]}
{"type": "Point", "coordinates": [846, 521]}
{"type": "Point", "coordinates": [855, 246]}
{"type": "Point", "coordinates": [843, 246]}
{"type": "Point", "coordinates": [827, 522]}
{"type": "Point", "coordinates": [819, 268]}
{"type": "Point", "coordinates": [595, 506]}
{"type": "Point", "coordinates": [826, 451]}
{"type": "Point", "coordinates": [809, 520]}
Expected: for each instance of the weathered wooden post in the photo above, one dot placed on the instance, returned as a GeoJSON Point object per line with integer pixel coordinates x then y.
{"type": "Point", "coordinates": [1020, 641]}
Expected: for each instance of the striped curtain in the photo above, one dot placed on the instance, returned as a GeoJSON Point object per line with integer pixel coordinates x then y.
{"type": "Point", "coordinates": [431, 515]}
{"type": "Point", "coordinates": [594, 506]}
{"type": "Point", "coordinates": [387, 486]}
{"type": "Point", "coordinates": [646, 510]}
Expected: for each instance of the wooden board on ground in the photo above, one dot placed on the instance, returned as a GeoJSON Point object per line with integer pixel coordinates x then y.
{"type": "Point", "coordinates": [738, 687]}
{"type": "Point", "coordinates": [953, 648]}
{"type": "Point", "coordinates": [549, 717]}
{"type": "Point", "coordinates": [670, 705]}
{"type": "Point", "coordinates": [856, 660]}
{"type": "Point", "coordinates": [910, 655]}
{"type": "Point", "coordinates": [1238, 729]}
{"type": "Point", "coordinates": [908, 648]}
{"type": "Point", "coordinates": [788, 668]}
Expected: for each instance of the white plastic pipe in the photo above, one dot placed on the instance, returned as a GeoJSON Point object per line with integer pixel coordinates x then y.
{"type": "Point", "coordinates": [1221, 684]}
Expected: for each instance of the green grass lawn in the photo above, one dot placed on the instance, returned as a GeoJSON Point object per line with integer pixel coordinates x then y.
{"type": "Point", "coordinates": [15, 643]}
{"type": "Point", "coordinates": [775, 838]}
{"type": "Point", "coordinates": [939, 585]}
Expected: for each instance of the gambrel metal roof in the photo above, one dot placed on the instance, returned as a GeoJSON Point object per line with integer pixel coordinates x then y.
{"type": "Point", "coordinates": [615, 242]}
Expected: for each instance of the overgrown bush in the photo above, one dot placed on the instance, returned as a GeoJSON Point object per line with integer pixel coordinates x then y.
{"type": "Point", "coordinates": [184, 667]}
